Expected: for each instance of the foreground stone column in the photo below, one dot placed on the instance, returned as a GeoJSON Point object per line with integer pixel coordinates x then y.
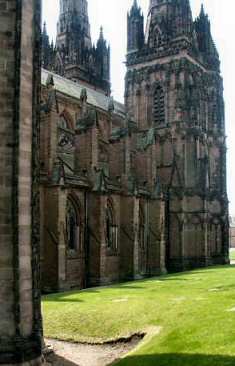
{"type": "Point", "coordinates": [20, 315]}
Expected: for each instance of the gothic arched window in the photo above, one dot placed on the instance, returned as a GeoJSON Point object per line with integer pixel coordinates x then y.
{"type": "Point", "coordinates": [111, 228]}
{"type": "Point", "coordinates": [66, 121]}
{"type": "Point", "coordinates": [159, 106]}
{"type": "Point", "coordinates": [158, 39]}
{"type": "Point", "coordinates": [72, 226]}
{"type": "Point", "coordinates": [63, 123]}
{"type": "Point", "coordinates": [142, 229]}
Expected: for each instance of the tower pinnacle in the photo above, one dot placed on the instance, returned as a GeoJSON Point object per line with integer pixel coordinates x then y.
{"type": "Point", "coordinates": [168, 19]}
{"type": "Point", "coordinates": [135, 29]}
{"type": "Point", "coordinates": [205, 41]}
{"type": "Point", "coordinates": [74, 19]}
{"type": "Point", "coordinates": [77, 58]}
{"type": "Point", "coordinates": [101, 33]}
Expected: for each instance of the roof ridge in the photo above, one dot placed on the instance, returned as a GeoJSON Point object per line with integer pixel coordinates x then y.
{"type": "Point", "coordinates": [95, 97]}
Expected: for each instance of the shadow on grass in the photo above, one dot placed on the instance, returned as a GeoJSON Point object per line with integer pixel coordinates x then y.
{"type": "Point", "coordinates": [62, 300]}
{"type": "Point", "coordinates": [177, 359]}
{"type": "Point", "coordinates": [63, 296]}
{"type": "Point", "coordinates": [177, 277]}
{"type": "Point", "coordinates": [127, 287]}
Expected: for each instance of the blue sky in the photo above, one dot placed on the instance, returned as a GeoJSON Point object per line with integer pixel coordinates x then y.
{"type": "Point", "coordinates": [111, 14]}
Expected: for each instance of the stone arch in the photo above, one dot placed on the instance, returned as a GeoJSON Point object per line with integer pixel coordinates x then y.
{"type": "Point", "coordinates": [158, 37]}
{"type": "Point", "coordinates": [73, 218]}
{"type": "Point", "coordinates": [111, 225]}
{"type": "Point", "coordinates": [66, 120]}
{"type": "Point", "coordinates": [215, 236]}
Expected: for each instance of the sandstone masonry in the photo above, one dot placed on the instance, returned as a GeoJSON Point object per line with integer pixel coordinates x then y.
{"type": "Point", "coordinates": [129, 191]}
{"type": "Point", "coordinates": [20, 316]}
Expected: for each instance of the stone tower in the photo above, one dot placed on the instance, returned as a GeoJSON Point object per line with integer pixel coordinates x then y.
{"type": "Point", "coordinates": [174, 86]}
{"type": "Point", "coordinates": [135, 32]}
{"type": "Point", "coordinates": [75, 57]}
{"type": "Point", "coordinates": [20, 315]}
{"type": "Point", "coordinates": [48, 50]}
{"type": "Point", "coordinates": [73, 20]}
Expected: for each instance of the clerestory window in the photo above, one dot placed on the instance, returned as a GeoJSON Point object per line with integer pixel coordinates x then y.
{"type": "Point", "coordinates": [158, 41]}
{"type": "Point", "coordinates": [159, 106]}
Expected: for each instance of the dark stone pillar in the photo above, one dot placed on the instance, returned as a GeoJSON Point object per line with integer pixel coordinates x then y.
{"type": "Point", "coordinates": [20, 314]}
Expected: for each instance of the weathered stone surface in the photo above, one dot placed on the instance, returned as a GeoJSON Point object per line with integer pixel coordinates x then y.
{"type": "Point", "coordinates": [170, 79]}
{"type": "Point", "coordinates": [74, 56]}
{"type": "Point", "coordinates": [20, 319]}
{"type": "Point", "coordinates": [147, 180]}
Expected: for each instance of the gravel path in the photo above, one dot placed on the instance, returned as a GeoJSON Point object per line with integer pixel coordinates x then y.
{"type": "Point", "coordinates": [73, 354]}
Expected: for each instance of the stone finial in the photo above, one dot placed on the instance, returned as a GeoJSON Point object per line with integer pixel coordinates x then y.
{"type": "Point", "coordinates": [101, 33]}
{"type": "Point", "coordinates": [83, 95]}
{"type": "Point", "coordinates": [202, 12]}
{"type": "Point", "coordinates": [44, 28]}
{"type": "Point", "coordinates": [50, 81]}
{"type": "Point", "coordinates": [111, 105]}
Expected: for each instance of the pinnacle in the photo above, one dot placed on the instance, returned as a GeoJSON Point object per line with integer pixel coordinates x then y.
{"type": "Point", "coordinates": [135, 5]}
{"type": "Point", "coordinates": [44, 28]}
{"type": "Point", "coordinates": [202, 12]}
{"type": "Point", "coordinates": [101, 32]}
{"type": "Point", "coordinates": [135, 8]}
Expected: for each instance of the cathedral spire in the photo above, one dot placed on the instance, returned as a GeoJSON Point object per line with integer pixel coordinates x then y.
{"type": "Point", "coordinates": [168, 19]}
{"type": "Point", "coordinates": [103, 57]}
{"type": "Point", "coordinates": [202, 12]}
{"type": "Point", "coordinates": [134, 7]}
{"type": "Point", "coordinates": [74, 19]}
{"type": "Point", "coordinates": [206, 44]}
{"type": "Point", "coordinates": [44, 28]}
{"type": "Point", "coordinates": [47, 48]}
{"type": "Point", "coordinates": [77, 58]}
{"type": "Point", "coordinates": [101, 38]}
{"type": "Point", "coordinates": [135, 28]}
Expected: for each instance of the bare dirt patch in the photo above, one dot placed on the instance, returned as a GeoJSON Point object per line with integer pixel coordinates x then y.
{"type": "Point", "coordinates": [83, 354]}
{"type": "Point", "coordinates": [71, 354]}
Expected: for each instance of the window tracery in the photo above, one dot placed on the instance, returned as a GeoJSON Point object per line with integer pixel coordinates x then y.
{"type": "Point", "coordinates": [158, 39]}
{"type": "Point", "coordinates": [72, 226]}
{"type": "Point", "coordinates": [159, 105]}
{"type": "Point", "coordinates": [111, 228]}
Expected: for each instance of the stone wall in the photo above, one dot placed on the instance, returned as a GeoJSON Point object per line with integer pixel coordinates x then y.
{"type": "Point", "coordinates": [189, 156]}
{"type": "Point", "coordinates": [104, 175]}
{"type": "Point", "coordinates": [232, 237]}
{"type": "Point", "coordinates": [20, 317]}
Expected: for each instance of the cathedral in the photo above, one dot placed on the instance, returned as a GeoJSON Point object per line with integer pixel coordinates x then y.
{"type": "Point", "coordinates": [137, 189]}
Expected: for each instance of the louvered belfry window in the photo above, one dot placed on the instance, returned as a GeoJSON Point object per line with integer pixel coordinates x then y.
{"type": "Point", "coordinates": [159, 106]}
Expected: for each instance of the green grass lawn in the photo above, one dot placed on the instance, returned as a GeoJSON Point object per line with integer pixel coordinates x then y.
{"type": "Point", "coordinates": [195, 310]}
{"type": "Point", "coordinates": [232, 254]}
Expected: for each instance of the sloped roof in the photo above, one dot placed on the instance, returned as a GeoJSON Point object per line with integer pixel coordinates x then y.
{"type": "Point", "coordinates": [73, 89]}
